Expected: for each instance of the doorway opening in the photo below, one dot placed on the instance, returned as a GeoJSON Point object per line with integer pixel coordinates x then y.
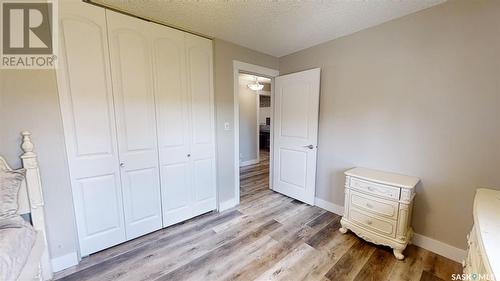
{"type": "Point", "coordinates": [255, 85]}
{"type": "Point", "coordinates": [254, 132]}
{"type": "Point", "coordinates": [293, 132]}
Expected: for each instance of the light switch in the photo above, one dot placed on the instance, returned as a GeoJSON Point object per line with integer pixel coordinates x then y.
{"type": "Point", "coordinates": [226, 126]}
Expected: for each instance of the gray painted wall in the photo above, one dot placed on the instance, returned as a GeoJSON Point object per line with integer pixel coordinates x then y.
{"type": "Point", "coordinates": [419, 95]}
{"type": "Point", "coordinates": [29, 101]}
{"type": "Point", "coordinates": [248, 101]}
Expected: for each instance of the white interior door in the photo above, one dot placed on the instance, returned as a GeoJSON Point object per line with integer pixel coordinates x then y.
{"type": "Point", "coordinates": [296, 107]}
{"type": "Point", "coordinates": [173, 123]}
{"type": "Point", "coordinates": [84, 82]}
{"type": "Point", "coordinates": [202, 138]}
{"type": "Point", "coordinates": [130, 53]}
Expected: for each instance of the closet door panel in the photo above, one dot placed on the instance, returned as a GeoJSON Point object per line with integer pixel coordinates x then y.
{"type": "Point", "coordinates": [200, 91]}
{"type": "Point", "coordinates": [176, 193]}
{"type": "Point", "coordinates": [95, 194]}
{"type": "Point", "coordinates": [199, 59]}
{"type": "Point", "coordinates": [203, 177]}
{"type": "Point", "coordinates": [173, 124]}
{"type": "Point", "coordinates": [142, 217]}
{"type": "Point", "coordinates": [130, 52]}
{"type": "Point", "coordinates": [84, 82]}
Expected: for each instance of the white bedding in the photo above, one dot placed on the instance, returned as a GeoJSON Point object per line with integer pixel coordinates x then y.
{"type": "Point", "coordinates": [16, 242]}
{"type": "Point", "coordinates": [31, 269]}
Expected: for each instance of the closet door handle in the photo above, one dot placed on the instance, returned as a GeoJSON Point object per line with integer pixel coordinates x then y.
{"type": "Point", "coordinates": [189, 155]}
{"type": "Point", "coordinates": [122, 164]}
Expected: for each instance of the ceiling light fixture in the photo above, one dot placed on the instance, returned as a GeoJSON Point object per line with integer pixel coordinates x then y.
{"type": "Point", "coordinates": [255, 86]}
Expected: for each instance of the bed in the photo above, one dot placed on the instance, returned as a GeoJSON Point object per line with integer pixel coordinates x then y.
{"type": "Point", "coordinates": [23, 242]}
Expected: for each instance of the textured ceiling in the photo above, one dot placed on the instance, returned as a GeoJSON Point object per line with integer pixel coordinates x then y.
{"type": "Point", "coordinates": [277, 28]}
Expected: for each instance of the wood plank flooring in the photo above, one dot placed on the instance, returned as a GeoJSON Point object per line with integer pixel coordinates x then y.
{"type": "Point", "coordinates": [267, 237]}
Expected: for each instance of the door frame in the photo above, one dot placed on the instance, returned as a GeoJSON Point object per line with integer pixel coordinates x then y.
{"type": "Point", "coordinates": [258, 70]}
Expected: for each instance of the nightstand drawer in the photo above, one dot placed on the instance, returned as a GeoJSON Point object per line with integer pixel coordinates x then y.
{"type": "Point", "coordinates": [383, 226]}
{"type": "Point", "coordinates": [375, 205]}
{"type": "Point", "coordinates": [375, 188]}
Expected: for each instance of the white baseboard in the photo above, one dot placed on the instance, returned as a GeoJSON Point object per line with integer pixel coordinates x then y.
{"type": "Point", "coordinates": [329, 206]}
{"type": "Point", "coordinates": [228, 204]}
{"type": "Point", "coordinates": [435, 246]}
{"type": "Point", "coordinates": [249, 162]}
{"type": "Point", "coordinates": [438, 247]}
{"type": "Point", "coordinates": [64, 262]}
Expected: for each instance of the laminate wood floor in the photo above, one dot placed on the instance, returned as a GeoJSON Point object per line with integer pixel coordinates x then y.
{"type": "Point", "coordinates": [267, 237]}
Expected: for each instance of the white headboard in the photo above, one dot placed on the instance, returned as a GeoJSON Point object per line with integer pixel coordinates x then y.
{"type": "Point", "coordinates": [31, 197]}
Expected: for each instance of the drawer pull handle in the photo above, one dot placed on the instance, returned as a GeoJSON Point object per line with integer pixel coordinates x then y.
{"type": "Point", "coordinates": [369, 222]}
{"type": "Point", "coordinates": [369, 205]}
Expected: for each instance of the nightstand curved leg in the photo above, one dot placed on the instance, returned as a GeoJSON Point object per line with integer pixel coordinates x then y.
{"type": "Point", "coordinates": [342, 228]}
{"type": "Point", "coordinates": [398, 254]}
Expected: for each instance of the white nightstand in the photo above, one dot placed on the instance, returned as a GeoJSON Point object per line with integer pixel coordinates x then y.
{"type": "Point", "coordinates": [378, 207]}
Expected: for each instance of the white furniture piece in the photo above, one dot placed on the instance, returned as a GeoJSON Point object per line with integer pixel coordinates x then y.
{"type": "Point", "coordinates": [137, 104]}
{"type": "Point", "coordinates": [378, 207]}
{"type": "Point", "coordinates": [30, 202]}
{"type": "Point", "coordinates": [483, 254]}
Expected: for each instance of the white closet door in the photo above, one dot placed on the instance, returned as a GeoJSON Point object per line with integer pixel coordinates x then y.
{"type": "Point", "coordinates": [201, 95]}
{"type": "Point", "coordinates": [173, 125]}
{"type": "Point", "coordinates": [130, 52]}
{"type": "Point", "coordinates": [84, 83]}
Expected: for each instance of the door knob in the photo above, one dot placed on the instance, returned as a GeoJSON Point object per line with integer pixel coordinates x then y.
{"type": "Point", "coordinates": [309, 146]}
{"type": "Point", "coordinates": [189, 155]}
{"type": "Point", "coordinates": [122, 164]}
